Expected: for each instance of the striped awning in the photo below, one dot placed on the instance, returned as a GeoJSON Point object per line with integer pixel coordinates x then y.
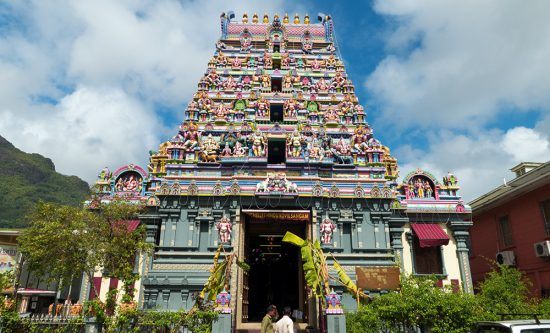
{"type": "Point", "coordinates": [430, 234]}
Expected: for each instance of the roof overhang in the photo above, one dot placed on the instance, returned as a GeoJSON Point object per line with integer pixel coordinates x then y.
{"type": "Point", "coordinates": [521, 185]}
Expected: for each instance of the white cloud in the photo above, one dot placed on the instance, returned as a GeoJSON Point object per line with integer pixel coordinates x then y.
{"type": "Point", "coordinates": [482, 161]}
{"type": "Point", "coordinates": [79, 80]}
{"type": "Point", "coordinates": [88, 129]}
{"type": "Point", "coordinates": [455, 64]}
{"type": "Point", "coordinates": [461, 67]}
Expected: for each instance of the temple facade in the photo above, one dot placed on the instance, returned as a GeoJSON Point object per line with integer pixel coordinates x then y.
{"type": "Point", "coordinates": [275, 140]}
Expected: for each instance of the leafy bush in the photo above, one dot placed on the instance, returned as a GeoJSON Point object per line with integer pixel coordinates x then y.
{"type": "Point", "coordinates": [421, 304]}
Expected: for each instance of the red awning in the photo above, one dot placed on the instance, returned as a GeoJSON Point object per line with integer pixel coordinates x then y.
{"type": "Point", "coordinates": [430, 234]}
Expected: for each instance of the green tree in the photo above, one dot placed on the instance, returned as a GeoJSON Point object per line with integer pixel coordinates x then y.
{"type": "Point", "coordinates": [505, 291]}
{"type": "Point", "coordinates": [63, 242]}
{"type": "Point", "coordinates": [418, 303]}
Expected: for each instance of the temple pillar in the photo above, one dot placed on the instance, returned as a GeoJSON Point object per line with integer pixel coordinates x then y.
{"type": "Point", "coordinates": [461, 235]}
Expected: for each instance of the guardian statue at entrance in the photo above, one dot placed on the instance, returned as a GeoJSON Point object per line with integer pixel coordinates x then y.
{"type": "Point", "coordinates": [224, 227]}
{"type": "Point", "coordinates": [327, 227]}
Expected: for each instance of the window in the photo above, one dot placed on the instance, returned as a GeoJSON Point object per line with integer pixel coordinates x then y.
{"type": "Point", "coordinates": [427, 260]}
{"type": "Point", "coordinates": [276, 113]}
{"type": "Point", "coordinates": [276, 84]}
{"type": "Point", "coordinates": [505, 231]}
{"type": "Point", "coordinates": [545, 208]}
{"type": "Point", "coordinates": [276, 151]}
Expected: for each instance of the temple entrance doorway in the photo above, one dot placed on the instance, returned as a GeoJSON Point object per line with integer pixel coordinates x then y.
{"type": "Point", "coordinates": [275, 275]}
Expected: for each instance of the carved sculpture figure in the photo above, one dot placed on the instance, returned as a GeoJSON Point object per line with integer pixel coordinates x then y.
{"type": "Point", "coordinates": [190, 136]}
{"type": "Point", "coordinates": [450, 179]}
{"type": "Point", "coordinates": [327, 228]}
{"type": "Point", "coordinates": [104, 175]}
{"type": "Point", "coordinates": [262, 107]}
{"type": "Point", "coordinates": [258, 144]}
{"type": "Point", "coordinates": [294, 142]}
{"type": "Point", "coordinates": [224, 227]}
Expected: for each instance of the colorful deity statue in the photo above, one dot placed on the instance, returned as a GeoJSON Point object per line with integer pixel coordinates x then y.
{"type": "Point", "coordinates": [265, 81]}
{"type": "Point", "coordinates": [331, 115]}
{"type": "Point", "coordinates": [105, 175]}
{"type": "Point", "coordinates": [331, 62]}
{"type": "Point", "coordinates": [342, 152]}
{"type": "Point", "coordinates": [327, 228]}
{"type": "Point", "coordinates": [236, 63]}
{"type": "Point", "coordinates": [128, 182]}
{"type": "Point", "coordinates": [285, 60]}
{"type": "Point", "coordinates": [334, 304]}
{"type": "Point", "coordinates": [230, 84]}
{"type": "Point", "coordinates": [212, 78]}
{"type": "Point", "coordinates": [338, 82]}
{"type": "Point", "coordinates": [262, 107]}
{"type": "Point", "coordinates": [306, 84]}
{"type": "Point", "coordinates": [220, 45]}
{"type": "Point", "coordinates": [224, 227]}
{"type": "Point", "coordinates": [246, 83]}
{"type": "Point", "coordinates": [268, 61]}
{"type": "Point", "coordinates": [258, 144]}
{"type": "Point", "coordinates": [239, 150]}
{"type": "Point", "coordinates": [226, 151]}
{"type": "Point", "coordinates": [316, 64]}
{"type": "Point", "coordinates": [294, 143]}
{"type": "Point", "coordinates": [221, 111]}
{"type": "Point", "coordinates": [192, 110]}
{"type": "Point", "coordinates": [287, 82]}
{"type": "Point", "coordinates": [359, 140]}
{"type": "Point", "coordinates": [223, 301]}
{"type": "Point", "coordinates": [190, 136]}
{"type": "Point", "coordinates": [210, 145]}
{"type": "Point", "coordinates": [290, 108]}
{"type": "Point", "coordinates": [322, 86]}
{"type": "Point", "coordinates": [450, 179]}
{"type": "Point", "coordinates": [221, 60]}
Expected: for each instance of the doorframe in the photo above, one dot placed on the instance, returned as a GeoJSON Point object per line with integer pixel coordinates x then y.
{"type": "Point", "coordinates": [241, 254]}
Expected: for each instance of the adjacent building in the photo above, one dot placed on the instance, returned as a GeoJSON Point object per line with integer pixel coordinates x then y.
{"type": "Point", "coordinates": [512, 226]}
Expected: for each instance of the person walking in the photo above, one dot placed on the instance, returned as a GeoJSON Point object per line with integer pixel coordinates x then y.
{"type": "Point", "coordinates": [285, 324]}
{"type": "Point", "coordinates": [270, 317]}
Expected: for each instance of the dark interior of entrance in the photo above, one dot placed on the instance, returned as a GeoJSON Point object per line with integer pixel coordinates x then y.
{"type": "Point", "coordinates": [276, 151]}
{"type": "Point", "coordinates": [276, 83]}
{"type": "Point", "coordinates": [276, 113]}
{"type": "Point", "coordinates": [275, 275]}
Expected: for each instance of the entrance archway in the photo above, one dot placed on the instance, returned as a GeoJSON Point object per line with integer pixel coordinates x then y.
{"type": "Point", "coordinates": [275, 275]}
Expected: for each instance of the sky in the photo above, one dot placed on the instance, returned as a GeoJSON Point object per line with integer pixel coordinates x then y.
{"type": "Point", "coordinates": [460, 86]}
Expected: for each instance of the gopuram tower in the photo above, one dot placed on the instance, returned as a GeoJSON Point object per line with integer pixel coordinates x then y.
{"type": "Point", "coordinates": [275, 140]}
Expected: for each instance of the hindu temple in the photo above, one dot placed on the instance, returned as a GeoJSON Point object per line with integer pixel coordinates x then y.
{"type": "Point", "coordinates": [275, 140]}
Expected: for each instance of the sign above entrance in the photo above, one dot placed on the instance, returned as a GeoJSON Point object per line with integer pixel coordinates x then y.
{"type": "Point", "coordinates": [378, 278]}
{"type": "Point", "coordinates": [279, 215]}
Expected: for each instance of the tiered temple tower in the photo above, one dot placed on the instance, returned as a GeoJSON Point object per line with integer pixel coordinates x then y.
{"type": "Point", "coordinates": [275, 140]}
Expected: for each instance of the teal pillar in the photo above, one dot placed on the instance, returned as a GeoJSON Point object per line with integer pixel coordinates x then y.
{"type": "Point", "coordinates": [222, 324]}
{"type": "Point", "coordinates": [336, 323]}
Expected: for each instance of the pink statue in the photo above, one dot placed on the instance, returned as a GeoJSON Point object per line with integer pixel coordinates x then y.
{"type": "Point", "coordinates": [236, 63]}
{"type": "Point", "coordinates": [224, 227]}
{"type": "Point", "coordinates": [326, 228]}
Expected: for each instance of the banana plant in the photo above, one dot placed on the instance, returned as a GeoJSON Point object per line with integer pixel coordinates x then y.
{"type": "Point", "coordinates": [220, 274]}
{"type": "Point", "coordinates": [316, 269]}
{"type": "Point", "coordinates": [314, 264]}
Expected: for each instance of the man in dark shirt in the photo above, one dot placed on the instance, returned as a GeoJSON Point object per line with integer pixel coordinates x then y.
{"type": "Point", "coordinates": [270, 317]}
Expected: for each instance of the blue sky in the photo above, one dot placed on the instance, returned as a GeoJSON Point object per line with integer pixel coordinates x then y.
{"type": "Point", "coordinates": [460, 86]}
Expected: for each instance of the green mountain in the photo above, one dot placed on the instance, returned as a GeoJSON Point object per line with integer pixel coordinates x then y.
{"type": "Point", "coordinates": [27, 178]}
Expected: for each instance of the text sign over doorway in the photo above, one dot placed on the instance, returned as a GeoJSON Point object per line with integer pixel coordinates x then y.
{"type": "Point", "coordinates": [378, 278]}
{"type": "Point", "coordinates": [281, 215]}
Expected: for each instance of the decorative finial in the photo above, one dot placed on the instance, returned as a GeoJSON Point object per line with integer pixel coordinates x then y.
{"type": "Point", "coordinates": [266, 18]}
{"type": "Point", "coordinates": [296, 19]}
{"type": "Point", "coordinates": [276, 17]}
{"type": "Point", "coordinates": [255, 18]}
{"type": "Point", "coordinates": [245, 18]}
{"type": "Point", "coordinates": [285, 19]}
{"type": "Point", "coordinates": [306, 19]}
